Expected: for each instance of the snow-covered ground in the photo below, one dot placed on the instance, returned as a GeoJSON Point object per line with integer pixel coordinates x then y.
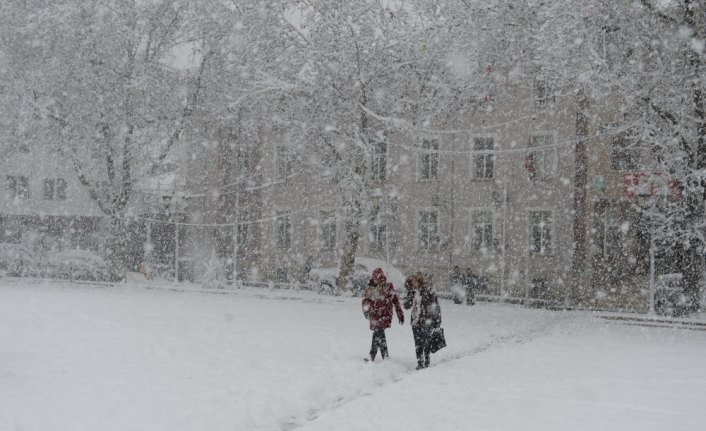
{"type": "Point", "coordinates": [76, 357]}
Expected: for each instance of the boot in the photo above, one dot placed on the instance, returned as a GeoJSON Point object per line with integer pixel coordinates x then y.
{"type": "Point", "coordinates": [420, 362]}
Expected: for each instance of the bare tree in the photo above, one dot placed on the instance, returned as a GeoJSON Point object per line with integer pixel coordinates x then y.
{"type": "Point", "coordinates": [105, 82]}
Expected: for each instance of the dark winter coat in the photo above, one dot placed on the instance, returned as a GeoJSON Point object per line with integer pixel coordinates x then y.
{"type": "Point", "coordinates": [425, 307]}
{"type": "Point", "coordinates": [378, 301]}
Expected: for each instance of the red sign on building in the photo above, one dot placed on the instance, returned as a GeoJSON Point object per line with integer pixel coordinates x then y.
{"type": "Point", "coordinates": [649, 184]}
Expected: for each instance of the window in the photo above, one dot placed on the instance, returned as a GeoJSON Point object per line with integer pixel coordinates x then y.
{"type": "Point", "coordinates": [612, 46]}
{"type": "Point", "coordinates": [48, 188]}
{"type": "Point", "coordinates": [284, 163]}
{"type": "Point", "coordinates": [626, 154]}
{"type": "Point", "coordinates": [543, 93]}
{"type": "Point", "coordinates": [54, 189]}
{"type": "Point", "coordinates": [540, 232]}
{"type": "Point", "coordinates": [378, 228]}
{"type": "Point", "coordinates": [482, 233]}
{"type": "Point", "coordinates": [18, 187]}
{"type": "Point", "coordinates": [543, 156]}
{"type": "Point", "coordinates": [60, 191]}
{"type": "Point", "coordinates": [378, 165]}
{"type": "Point", "coordinates": [242, 160]}
{"type": "Point", "coordinates": [328, 230]}
{"type": "Point", "coordinates": [12, 186]}
{"type": "Point", "coordinates": [429, 160]}
{"type": "Point", "coordinates": [11, 229]}
{"type": "Point", "coordinates": [283, 226]}
{"type": "Point", "coordinates": [428, 229]}
{"type": "Point", "coordinates": [483, 158]}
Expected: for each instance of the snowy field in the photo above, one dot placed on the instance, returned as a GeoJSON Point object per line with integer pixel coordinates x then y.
{"type": "Point", "coordinates": [76, 357]}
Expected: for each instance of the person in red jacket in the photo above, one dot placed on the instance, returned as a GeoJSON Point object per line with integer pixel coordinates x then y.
{"type": "Point", "coordinates": [378, 300]}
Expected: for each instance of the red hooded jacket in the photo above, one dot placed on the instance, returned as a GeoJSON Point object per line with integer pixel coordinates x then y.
{"type": "Point", "coordinates": [378, 300]}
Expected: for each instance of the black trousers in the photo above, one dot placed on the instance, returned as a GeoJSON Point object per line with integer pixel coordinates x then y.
{"type": "Point", "coordinates": [379, 342]}
{"type": "Point", "coordinates": [422, 336]}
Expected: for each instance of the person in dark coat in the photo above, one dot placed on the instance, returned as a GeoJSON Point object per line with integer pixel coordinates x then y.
{"type": "Point", "coordinates": [426, 315]}
{"type": "Point", "coordinates": [378, 299]}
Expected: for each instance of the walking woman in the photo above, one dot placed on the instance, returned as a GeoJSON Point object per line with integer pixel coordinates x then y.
{"type": "Point", "coordinates": [426, 315]}
{"type": "Point", "coordinates": [378, 300]}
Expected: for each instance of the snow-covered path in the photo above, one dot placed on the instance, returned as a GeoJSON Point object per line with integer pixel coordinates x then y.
{"type": "Point", "coordinates": [127, 358]}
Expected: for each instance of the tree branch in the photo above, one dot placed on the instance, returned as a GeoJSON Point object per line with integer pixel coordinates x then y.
{"type": "Point", "coordinates": [186, 112]}
{"type": "Point", "coordinates": [667, 116]}
{"type": "Point", "coordinates": [666, 18]}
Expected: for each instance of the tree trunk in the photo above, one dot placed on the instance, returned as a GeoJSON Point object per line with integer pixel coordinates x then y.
{"type": "Point", "coordinates": [578, 264]}
{"type": "Point", "coordinates": [350, 248]}
{"type": "Point", "coordinates": [118, 242]}
{"type": "Point", "coordinates": [225, 205]}
{"type": "Point", "coordinates": [693, 258]}
{"type": "Point", "coordinates": [356, 205]}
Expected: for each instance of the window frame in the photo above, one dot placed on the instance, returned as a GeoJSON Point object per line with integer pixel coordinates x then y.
{"type": "Point", "coordinates": [542, 93]}
{"type": "Point", "coordinates": [378, 235]}
{"type": "Point", "coordinates": [60, 187]}
{"type": "Point", "coordinates": [611, 222]}
{"type": "Point", "coordinates": [475, 245]}
{"type": "Point", "coordinates": [486, 157]}
{"type": "Point", "coordinates": [426, 239]}
{"type": "Point", "coordinates": [48, 189]}
{"type": "Point", "coordinates": [543, 150]}
{"type": "Point", "coordinates": [378, 162]}
{"type": "Point", "coordinates": [429, 159]}
{"type": "Point", "coordinates": [12, 182]}
{"type": "Point", "coordinates": [243, 160]}
{"type": "Point", "coordinates": [546, 233]}
{"type": "Point", "coordinates": [284, 161]}
{"type": "Point", "coordinates": [18, 187]}
{"type": "Point", "coordinates": [23, 187]}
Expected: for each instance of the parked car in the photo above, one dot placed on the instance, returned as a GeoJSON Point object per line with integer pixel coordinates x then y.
{"type": "Point", "coordinates": [670, 299]}
{"type": "Point", "coordinates": [323, 280]}
{"type": "Point", "coordinates": [78, 265]}
{"type": "Point", "coordinates": [16, 260]}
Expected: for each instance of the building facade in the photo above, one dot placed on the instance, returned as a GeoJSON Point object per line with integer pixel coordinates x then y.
{"type": "Point", "coordinates": [42, 203]}
{"type": "Point", "coordinates": [489, 190]}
